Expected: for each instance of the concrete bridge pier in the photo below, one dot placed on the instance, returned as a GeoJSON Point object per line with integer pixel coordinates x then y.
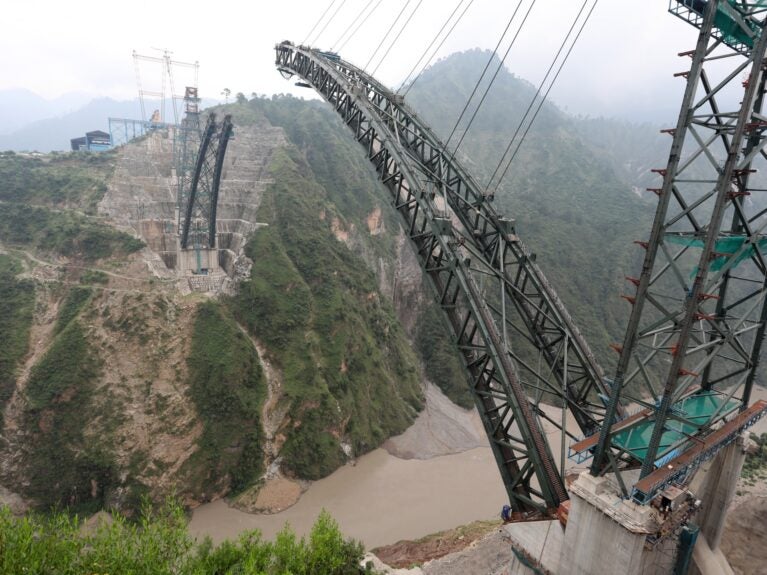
{"type": "Point", "coordinates": [718, 481]}
{"type": "Point", "coordinates": [715, 485]}
{"type": "Point", "coordinates": [606, 534]}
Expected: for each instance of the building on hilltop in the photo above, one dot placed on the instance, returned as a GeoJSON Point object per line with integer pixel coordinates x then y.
{"type": "Point", "coordinates": [95, 141]}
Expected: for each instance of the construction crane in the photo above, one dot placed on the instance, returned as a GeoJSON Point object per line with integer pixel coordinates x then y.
{"type": "Point", "coordinates": [167, 65]}
{"type": "Point", "coordinates": [688, 362]}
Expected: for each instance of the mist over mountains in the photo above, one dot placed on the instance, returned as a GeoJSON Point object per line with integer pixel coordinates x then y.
{"type": "Point", "coordinates": [29, 122]}
{"type": "Point", "coordinates": [20, 107]}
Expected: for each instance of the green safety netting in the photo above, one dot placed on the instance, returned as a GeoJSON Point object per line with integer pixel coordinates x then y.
{"type": "Point", "coordinates": [728, 248]}
{"type": "Point", "coordinates": [728, 20]}
{"type": "Point", "coordinates": [694, 412]}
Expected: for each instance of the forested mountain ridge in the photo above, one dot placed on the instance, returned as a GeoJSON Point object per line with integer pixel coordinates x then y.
{"type": "Point", "coordinates": [574, 204]}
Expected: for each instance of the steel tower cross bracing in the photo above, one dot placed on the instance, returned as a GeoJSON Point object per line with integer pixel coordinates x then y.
{"type": "Point", "coordinates": [186, 144]}
{"type": "Point", "coordinates": [495, 299]}
{"type": "Point", "coordinates": [694, 337]}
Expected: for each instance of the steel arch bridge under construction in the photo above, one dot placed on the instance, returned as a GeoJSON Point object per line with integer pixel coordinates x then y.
{"type": "Point", "coordinates": [692, 351]}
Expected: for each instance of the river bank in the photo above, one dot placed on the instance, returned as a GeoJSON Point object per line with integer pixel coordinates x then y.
{"type": "Point", "coordinates": [437, 475]}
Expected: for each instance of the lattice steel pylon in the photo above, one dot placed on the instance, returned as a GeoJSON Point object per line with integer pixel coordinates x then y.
{"type": "Point", "coordinates": [463, 244]}
{"type": "Point", "coordinates": [186, 145]}
{"type": "Point", "coordinates": [692, 346]}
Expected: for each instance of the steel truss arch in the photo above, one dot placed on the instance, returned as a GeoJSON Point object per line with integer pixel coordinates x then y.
{"type": "Point", "coordinates": [460, 239]}
{"type": "Point", "coordinates": [199, 207]}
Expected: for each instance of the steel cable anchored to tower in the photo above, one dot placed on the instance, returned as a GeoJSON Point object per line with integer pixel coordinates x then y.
{"type": "Point", "coordinates": [317, 23]}
{"type": "Point", "coordinates": [482, 76]}
{"type": "Point", "coordinates": [393, 42]}
{"type": "Point", "coordinates": [332, 17]}
{"type": "Point", "coordinates": [352, 24]}
{"type": "Point", "coordinates": [386, 35]}
{"type": "Point", "coordinates": [360, 25]}
{"type": "Point", "coordinates": [495, 75]}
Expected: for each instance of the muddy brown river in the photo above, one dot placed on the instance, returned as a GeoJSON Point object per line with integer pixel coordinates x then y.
{"type": "Point", "coordinates": [383, 498]}
{"type": "Point", "coordinates": [380, 500]}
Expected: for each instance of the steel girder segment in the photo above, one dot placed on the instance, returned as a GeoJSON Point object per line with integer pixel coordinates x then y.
{"type": "Point", "coordinates": [461, 242]}
{"type": "Point", "coordinates": [698, 316]}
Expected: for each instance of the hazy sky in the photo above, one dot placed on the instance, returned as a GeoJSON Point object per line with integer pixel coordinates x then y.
{"type": "Point", "coordinates": [622, 65]}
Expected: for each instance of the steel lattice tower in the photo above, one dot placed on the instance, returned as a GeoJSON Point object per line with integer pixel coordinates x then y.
{"type": "Point", "coordinates": [187, 143]}
{"type": "Point", "coordinates": [691, 350]}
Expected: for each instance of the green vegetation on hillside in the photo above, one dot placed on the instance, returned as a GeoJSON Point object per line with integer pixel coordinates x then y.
{"type": "Point", "coordinates": [65, 468]}
{"type": "Point", "coordinates": [441, 357]}
{"type": "Point", "coordinates": [348, 370]}
{"type": "Point", "coordinates": [58, 180]}
{"type": "Point", "coordinates": [17, 304]}
{"type": "Point", "coordinates": [43, 199]}
{"type": "Point", "coordinates": [73, 303]}
{"type": "Point", "coordinates": [228, 388]}
{"type": "Point", "coordinates": [159, 544]}
{"type": "Point", "coordinates": [568, 199]}
{"type": "Point", "coordinates": [65, 233]}
{"type": "Point", "coordinates": [352, 186]}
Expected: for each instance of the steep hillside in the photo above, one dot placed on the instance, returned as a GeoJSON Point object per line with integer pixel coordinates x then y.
{"type": "Point", "coordinates": [573, 203]}
{"type": "Point", "coordinates": [115, 384]}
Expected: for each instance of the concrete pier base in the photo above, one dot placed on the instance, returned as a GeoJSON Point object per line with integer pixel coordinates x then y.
{"type": "Point", "coordinates": [707, 561]}
{"type": "Point", "coordinates": [189, 260]}
{"type": "Point", "coordinates": [715, 486]}
{"type": "Point", "coordinates": [606, 534]}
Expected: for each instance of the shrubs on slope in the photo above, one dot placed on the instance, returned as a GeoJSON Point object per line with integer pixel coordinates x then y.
{"type": "Point", "coordinates": [159, 544]}
{"type": "Point", "coordinates": [347, 367]}
{"type": "Point", "coordinates": [228, 388]}
{"type": "Point", "coordinates": [17, 303]}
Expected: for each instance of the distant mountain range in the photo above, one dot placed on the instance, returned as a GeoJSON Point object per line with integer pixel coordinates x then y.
{"type": "Point", "coordinates": [28, 122]}
{"type": "Point", "coordinates": [19, 107]}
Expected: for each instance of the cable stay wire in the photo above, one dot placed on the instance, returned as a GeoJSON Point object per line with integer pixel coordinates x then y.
{"type": "Point", "coordinates": [360, 25]}
{"type": "Point", "coordinates": [317, 23]}
{"type": "Point", "coordinates": [350, 26]}
{"type": "Point", "coordinates": [537, 93]}
{"type": "Point", "coordinates": [545, 95]}
{"type": "Point", "coordinates": [319, 34]}
{"type": "Point", "coordinates": [492, 80]}
{"type": "Point", "coordinates": [437, 35]}
{"type": "Point", "coordinates": [482, 76]}
{"type": "Point", "coordinates": [393, 42]}
{"type": "Point", "coordinates": [436, 50]}
{"type": "Point", "coordinates": [393, 24]}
